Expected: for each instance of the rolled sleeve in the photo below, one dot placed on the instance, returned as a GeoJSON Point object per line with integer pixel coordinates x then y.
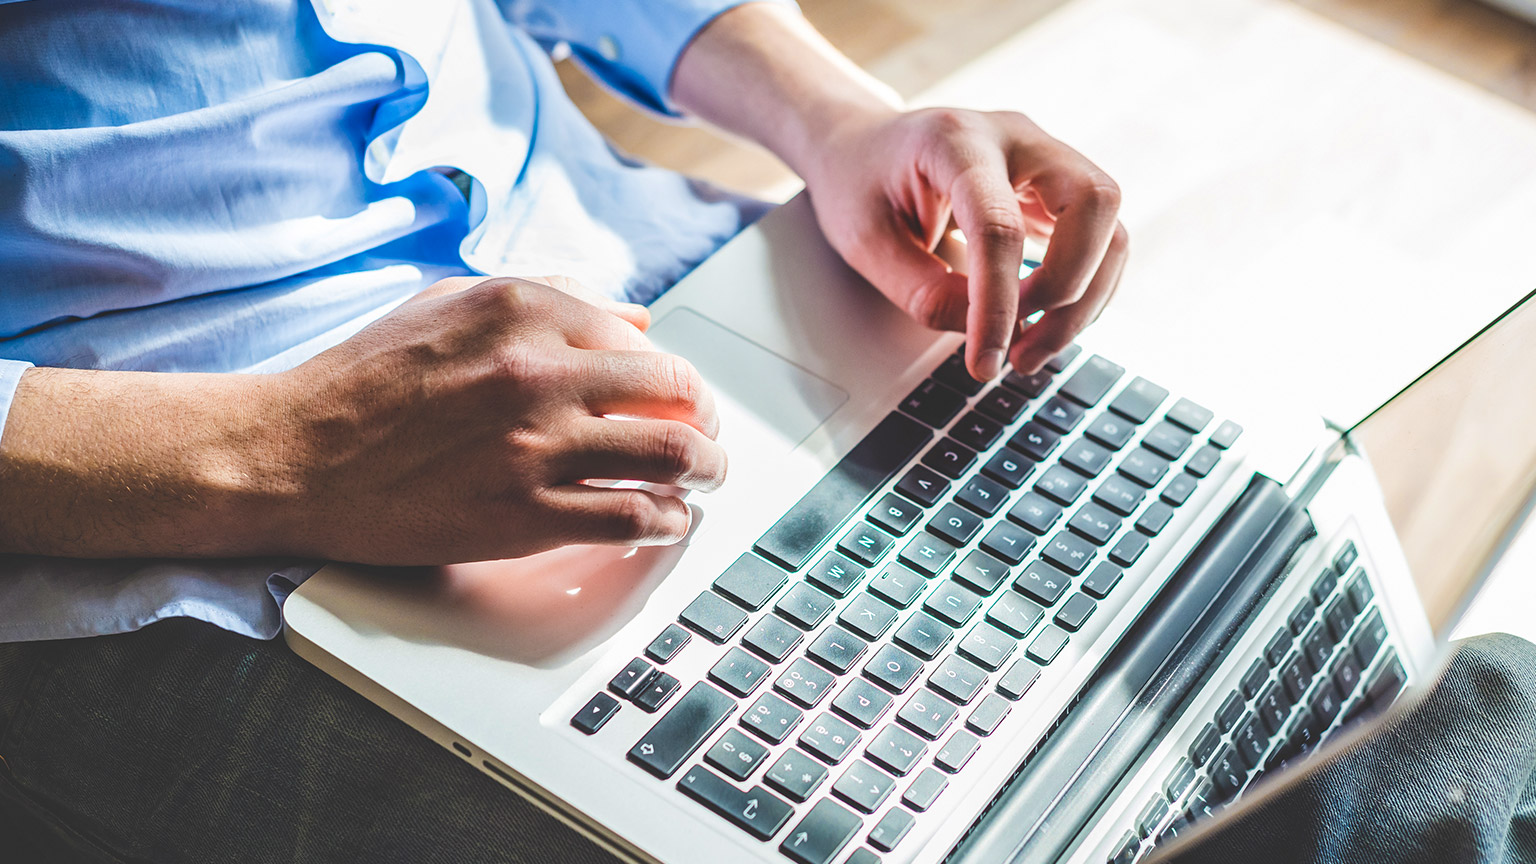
{"type": "Point", "coordinates": [630, 45]}
{"type": "Point", "coordinates": [10, 376]}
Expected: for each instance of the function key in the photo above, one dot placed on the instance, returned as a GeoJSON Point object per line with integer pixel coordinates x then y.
{"type": "Point", "coordinates": [1203, 461]}
{"type": "Point", "coordinates": [895, 514]}
{"type": "Point", "coordinates": [952, 372]}
{"type": "Point", "coordinates": [1138, 400]}
{"type": "Point", "coordinates": [681, 730]}
{"type": "Point", "coordinates": [739, 672]}
{"type": "Point", "coordinates": [1102, 580]}
{"type": "Point", "coordinates": [1008, 469]}
{"type": "Point", "coordinates": [1008, 542]}
{"type": "Point", "coordinates": [1127, 850]}
{"type": "Point", "coordinates": [1323, 587]}
{"type": "Point", "coordinates": [821, 834]}
{"type": "Point", "coordinates": [666, 645]}
{"type": "Point", "coordinates": [1030, 385]}
{"type": "Point", "coordinates": [595, 713]}
{"type": "Point", "coordinates": [1074, 613]}
{"type": "Point", "coordinates": [1167, 440]}
{"type": "Point", "coordinates": [1359, 591]}
{"type": "Point", "coordinates": [1255, 678]}
{"type": "Point", "coordinates": [1129, 549]}
{"type": "Point", "coordinates": [1002, 404]}
{"type": "Point", "coordinates": [837, 649]}
{"type": "Point", "coordinates": [890, 829]}
{"type": "Point", "coordinates": [772, 637]}
{"type": "Point", "coordinates": [758, 811]}
{"type": "Point", "coordinates": [1278, 645]}
{"type": "Point", "coordinates": [1059, 414]}
{"type": "Point", "coordinates": [1091, 381]}
{"type": "Point", "coordinates": [805, 605]}
{"type": "Point", "coordinates": [924, 790]}
{"type": "Point", "coordinates": [1204, 745]}
{"type": "Point", "coordinates": [1064, 359]}
{"type": "Point", "coordinates": [632, 679]}
{"type": "Point", "coordinates": [736, 755]}
{"type": "Point", "coordinates": [836, 574]}
{"type": "Point", "coordinates": [976, 431]}
{"type": "Point", "coordinates": [1034, 441]}
{"type": "Point", "coordinates": [1345, 558]}
{"type": "Point", "coordinates": [865, 544]}
{"type": "Point", "coordinates": [770, 717]}
{"type": "Point", "coordinates": [656, 693]}
{"type": "Point", "coordinates": [950, 458]}
{"type": "Point", "coordinates": [923, 486]}
{"type": "Point", "coordinates": [1018, 679]}
{"type": "Point", "coordinates": [750, 581]}
{"type": "Point", "coordinates": [933, 403]}
{"type": "Point", "coordinates": [988, 715]}
{"type": "Point", "coordinates": [1226, 434]}
{"type": "Point", "coordinates": [1180, 780]}
{"type": "Point", "coordinates": [1152, 815]}
{"type": "Point", "coordinates": [864, 786]}
{"type": "Point", "coordinates": [982, 495]}
{"type": "Point", "coordinates": [1047, 645]}
{"type": "Point", "coordinates": [1190, 415]}
{"type": "Point", "coordinates": [1179, 489]}
{"type": "Point", "coordinates": [1230, 712]}
{"type": "Point", "coordinates": [796, 775]}
{"type": "Point", "coordinates": [956, 752]}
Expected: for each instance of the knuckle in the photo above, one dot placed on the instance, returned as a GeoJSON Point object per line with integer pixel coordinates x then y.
{"type": "Point", "coordinates": [948, 121]}
{"type": "Point", "coordinates": [998, 224]}
{"type": "Point", "coordinates": [632, 517]}
{"type": "Point", "coordinates": [674, 450]}
{"type": "Point", "coordinates": [1101, 192]}
{"type": "Point", "coordinates": [683, 382]}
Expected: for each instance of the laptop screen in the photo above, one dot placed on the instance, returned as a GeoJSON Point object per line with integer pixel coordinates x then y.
{"type": "Point", "coordinates": [1455, 453]}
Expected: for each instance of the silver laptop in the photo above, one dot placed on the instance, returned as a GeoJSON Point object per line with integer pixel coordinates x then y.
{"type": "Point", "coordinates": [1063, 616]}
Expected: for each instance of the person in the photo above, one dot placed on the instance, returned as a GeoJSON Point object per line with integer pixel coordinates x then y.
{"type": "Point", "coordinates": [288, 282]}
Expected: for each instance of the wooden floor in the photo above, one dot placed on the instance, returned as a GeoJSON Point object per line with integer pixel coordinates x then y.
{"type": "Point", "coordinates": [911, 44]}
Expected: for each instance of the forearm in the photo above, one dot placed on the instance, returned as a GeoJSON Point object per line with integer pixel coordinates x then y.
{"type": "Point", "coordinates": [762, 72]}
{"type": "Point", "coordinates": [133, 464]}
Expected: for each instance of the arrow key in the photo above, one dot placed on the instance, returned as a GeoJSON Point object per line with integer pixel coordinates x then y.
{"type": "Point", "coordinates": [595, 713]}
{"type": "Point", "coordinates": [757, 811]}
{"type": "Point", "coordinates": [665, 646]}
{"type": "Point", "coordinates": [821, 834]}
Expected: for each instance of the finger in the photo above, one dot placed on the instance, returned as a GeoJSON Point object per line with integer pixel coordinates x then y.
{"type": "Point", "coordinates": [622, 517]}
{"type": "Point", "coordinates": [583, 325]}
{"type": "Point", "coordinates": [987, 211]}
{"type": "Point", "coordinates": [655, 451]}
{"type": "Point", "coordinates": [1084, 202]}
{"type": "Point", "coordinates": [648, 384]}
{"type": "Point", "coordinates": [894, 260]}
{"type": "Point", "coordinates": [1057, 328]}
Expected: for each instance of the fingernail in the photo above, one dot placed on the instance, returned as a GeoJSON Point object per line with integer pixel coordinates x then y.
{"type": "Point", "coordinates": [990, 363]}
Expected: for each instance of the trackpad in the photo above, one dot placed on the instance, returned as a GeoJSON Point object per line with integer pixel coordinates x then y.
{"type": "Point", "coordinates": [756, 389]}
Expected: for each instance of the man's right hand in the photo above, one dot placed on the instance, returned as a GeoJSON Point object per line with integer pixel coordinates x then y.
{"type": "Point", "coordinates": [469, 424]}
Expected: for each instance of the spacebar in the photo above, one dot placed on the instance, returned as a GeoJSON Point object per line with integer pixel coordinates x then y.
{"type": "Point", "coordinates": [849, 484]}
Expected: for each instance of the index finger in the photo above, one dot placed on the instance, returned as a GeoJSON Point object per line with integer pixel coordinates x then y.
{"type": "Point", "coordinates": [987, 211]}
{"type": "Point", "coordinates": [1085, 204]}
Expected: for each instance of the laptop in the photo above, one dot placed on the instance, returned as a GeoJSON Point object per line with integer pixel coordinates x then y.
{"type": "Point", "coordinates": [1061, 616]}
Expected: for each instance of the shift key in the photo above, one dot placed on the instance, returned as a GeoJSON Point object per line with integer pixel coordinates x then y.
{"type": "Point", "coordinates": [681, 730]}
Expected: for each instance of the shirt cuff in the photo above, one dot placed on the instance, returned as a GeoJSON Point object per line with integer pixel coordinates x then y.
{"type": "Point", "coordinates": [630, 45]}
{"type": "Point", "coordinates": [10, 376]}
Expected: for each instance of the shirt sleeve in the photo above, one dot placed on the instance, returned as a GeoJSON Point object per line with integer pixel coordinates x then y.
{"type": "Point", "coordinates": [10, 376]}
{"type": "Point", "coordinates": [630, 45]}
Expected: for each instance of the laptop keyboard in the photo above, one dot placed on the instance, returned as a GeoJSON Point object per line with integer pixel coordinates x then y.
{"type": "Point", "coordinates": [904, 605]}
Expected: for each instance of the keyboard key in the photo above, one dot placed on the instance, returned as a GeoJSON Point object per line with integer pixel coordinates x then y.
{"type": "Point", "coordinates": [1061, 484]}
{"type": "Point", "coordinates": [821, 834]}
{"type": "Point", "coordinates": [924, 790]}
{"type": "Point", "coordinates": [922, 485]}
{"type": "Point", "coordinates": [1301, 615]}
{"type": "Point", "coordinates": [1047, 645]}
{"type": "Point", "coordinates": [1179, 780]}
{"type": "Point", "coordinates": [844, 489]}
{"type": "Point", "coordinates": [1226, 434]}
{"type": "Point", "coordinates": [895, 514]}
{"type": "Point", "coordinates": [836, 574]}
{"type": "Point", "coordinates": [927, 714]}
{"type": "Point", "coordinates": [1359, 591]}
{"type": "Point", "coordinates": [1118, 494]}
{"type": "Point", "coordinates": [681, 730]}
{"type": "Point", "coordinates": [1030, 385]}
{"type": "Point", "coordinates": [893, 668]}
{"type": "Point", "coordinates": [1295, 678]}
{"type": "Point", "coordinates": [1273, 707]}
{"type": "Point", "coordinates": [804, 605]}
{"type": "Point", "coordinates": [868, 616]}
{"type": "Point", "coordinates": [897, 585]}
{"type": "Point", "coordinates": [1227, 773]}
{"type": "Point", "coordinates": [1087, 458]}
{"type": "Point", "coordinates": [1018, 679]}
{"type": "Point", "coordinates": [896, 749]}
{"type": "Point", "coordinates": [1129, 549]}
{"type": "Point", "coordinates": [1069, 552]}
{"type": "Point", "coordinates": [982, 495]}
{"type": "Point", "coordinates": [1369, 639]}
{"type": "Point", "coordinates": [1035, 512]}
{"type": "Point", "coordinates": [1167, 440]}
{"type": "Point", "coordinates": [772, 637]}
{"type": "Point", "coordinates": [1152, 815]}
{"type": "Point", "coordinates": [1002, 405]}
{"type": "Point", "coordinates": [1111, 430]}
{"type": "Point", "coordinates": [952, 373]}
{"type": "Point", "coordinates": [837, 649]}
{"type": "Point", "coordinates": [924, 635]}
{"type": "Point", "coordinates": [1128, 848]}
{"type": "Point", "coordinates": [1064, 359]}
{"type": "Point", "coordinates": [958, 678]}
{"type": "Point", "coordinates": [927, 554]}
{"type": "Point", "coordinates": [893, 826]}
{"type": "Point", "coordinates": [934, 403]}
{"type": "Point", "coordinates": [981, 572]}
{"type": "Point", "coordinates": [1102, 580]}
{"type": "Point", "coordinates": [865, 543]}
{"type": "Point", "coordinates": [667, 643]}
{"type": "Point", "coordinates": [632, 678]}
{"type": "Point", "coordinates": [1074, 613]}
{"type": "Point", "coordinates": [1034, 441]}
{"type": "Point", "coordinates": [864, 786]}
{"type": "Point", "coordinates": [1345, 558]}
{"type": "Point", "coordinates": [1325, 703]}
{"type": "Point", "coordinates": [739, 672]}
{"type": "Point", "coordinates": [804, 683]}
{"type": "Point", "coordinates": [862, 703]}
{"type": "Point", "coordinates": [1339, 616]}
{"type": "Point", "coordinates": [1015, 615]}
{"type": "Point", "coordinates": [1179, 489]}
{"type": "Point", "coordinates": [1204, 745]}
{"type": "Point", "coordinates": [1138, 400]}
{"type": "Point", "coordinates": [1042, 583]}
{"type": "Point", "coordinates": [1009, 469]}
{"type": "Point", "coordinates": [1250, 742]}
{"type": "Point", "coordinates": [988, 715]}
{"type": "Point", "coordinates": [758, 811]}
{"type": "Point", "coordinates": [1092, 381]}
{"type": "Point", "coordinates": [955, 524]}
{"type": "Point", "coordinates": [829, 738]}
{"type": "Point", "coordinates": [988, 646]}
{"type": "Point", "coordinates": [1317, 646]}
{"type": "Point", "coordinates": [976, 431]}
{"type": "Point", "coordinates": [956, 751]}
{"type": "Point", "coordinates": [736, 755]}
{"type": "Point", "coordinates": [750, 581]}
{"type": "Point", "coordinates": [1388, 681]}
{"type": "Point", "coordinates": [1144, 466]}
{"type": "Point", "coordinates": [1277, 646]}
{"type": "Point", "coordinates": [716, 618]}
{"type": "Point", "coordinates": [1346, 674]}
{"type": "Point", "coordinates": [1189, 415]}
{"type": "Point", "coordinates": [1060, 415]}
{"type": "Point", "coordinates": [1230, 712]}
{"type": "Point", "coordinates": [1324, 586]}
{"type": "Point", "coordinates": [1095, 523]}
{"type": "Point", "coordinates": [796, 775]}
{"type": "Point", "coordinates": [595, 713]}
{"type": "Point", "coordinates": [1155, 518]}
{"type": "Point", "coordinates": [950, 458]}
{"type": "Point", "coordinates": [1204, 461]}
{"type": "Point", "coordinates": [1008, 542]}
{"type": "Point", "coordinates": [1255, 678]}
{"type": "Point", "coordinates": [771, 718]}
{"type": "Point", "coordinates": [952, 603]}
{"type": "Point", "coordinates": [656, 693]}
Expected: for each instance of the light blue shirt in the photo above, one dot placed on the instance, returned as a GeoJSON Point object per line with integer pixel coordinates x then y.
{"type": "Point", "coordinates": [235, 187]}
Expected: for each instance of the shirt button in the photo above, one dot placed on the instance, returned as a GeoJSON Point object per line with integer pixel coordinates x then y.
{"type": "Point", "coordinates": [608, 48]}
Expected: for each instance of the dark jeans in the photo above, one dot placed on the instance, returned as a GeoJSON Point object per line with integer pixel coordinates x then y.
{"type": "Point", "coordinates": [183, 743]}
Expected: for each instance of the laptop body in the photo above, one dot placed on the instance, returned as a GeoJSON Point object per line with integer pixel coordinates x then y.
{"type": "Point", "coordinates": [547, 673]}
